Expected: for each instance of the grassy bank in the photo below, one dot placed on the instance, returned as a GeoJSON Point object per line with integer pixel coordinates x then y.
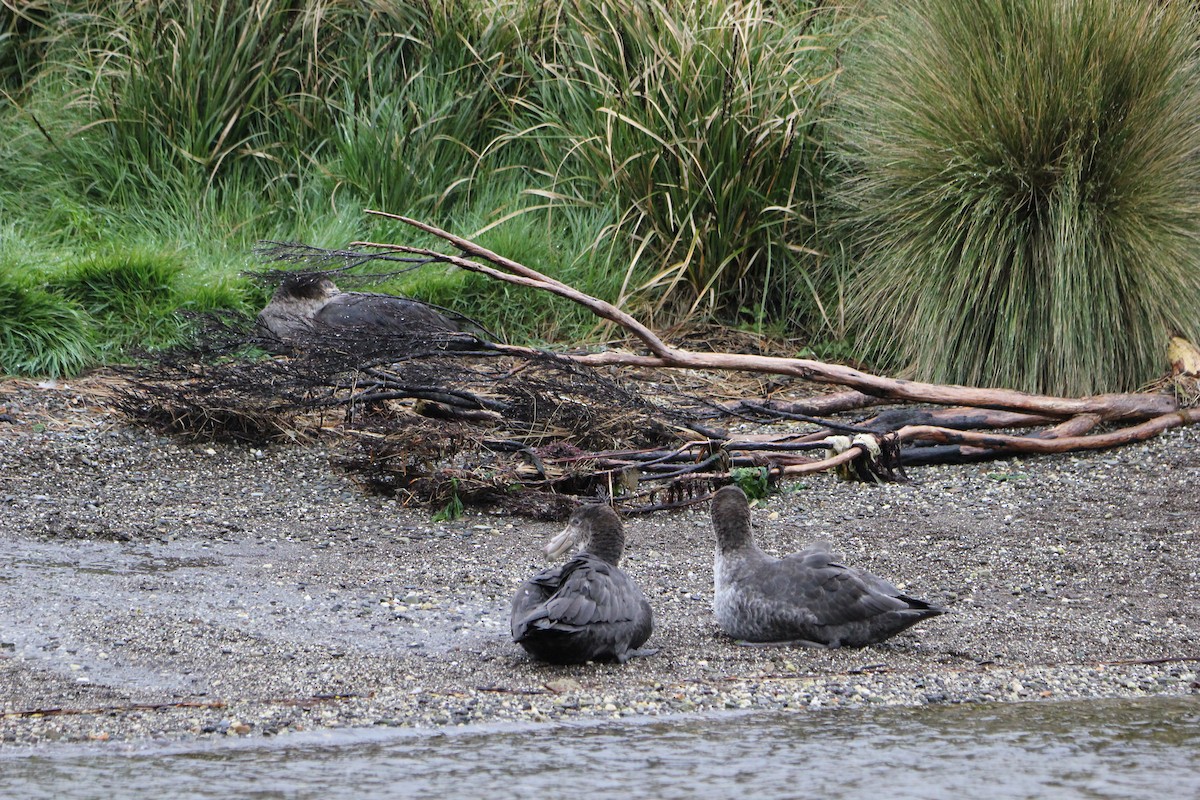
{"type": "Point", "coordinates": [777, 166]}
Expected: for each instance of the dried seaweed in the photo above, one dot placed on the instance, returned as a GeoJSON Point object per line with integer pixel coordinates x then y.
{"type": "Point", "coordinates": [410, 417]}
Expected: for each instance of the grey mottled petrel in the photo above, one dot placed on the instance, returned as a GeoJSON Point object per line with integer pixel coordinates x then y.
{"type": "Point", "coordinates": [586, 609]}
{"type": "Point", "coordinates": [805, 598]}
{"type": "Point", "coordinates": [310, 304]}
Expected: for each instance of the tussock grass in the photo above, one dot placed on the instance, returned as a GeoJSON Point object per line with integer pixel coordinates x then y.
{"type": "Point", "coordinates": [130, 298]}
{"type": "Point", "coordinates": [442, 88]}
{"type": "Point", "coordinates": [22, 42]}
{"type": "Point", "coordinates": [62, 317]}
{"type": "Point", "coordinates": [214, 86]}
{"type": "Point", "coordinates": [40, 333]}
{"type": "Point", "coordinates": [1025, 189]}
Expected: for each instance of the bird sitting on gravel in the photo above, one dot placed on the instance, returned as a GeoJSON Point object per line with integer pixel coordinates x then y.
{"type": "Point", "coordinates": [805, 598]}
{"type": "Point", "coordinates": [586, 609]}
{"type": "Point", "coordinates": [308, 305]}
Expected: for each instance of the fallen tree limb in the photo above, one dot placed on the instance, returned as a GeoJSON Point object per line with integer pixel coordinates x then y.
{"type": "Point", "coordinates": [852, 400]}
{"type": "Point", "coordinates": [1108, 407]}
{"type": "Point", "coordinates": [1003, 444]}
{"type": "Point", "coordinates": [534, 431]}
{"type": "Point", "coordinates": [958, 417]}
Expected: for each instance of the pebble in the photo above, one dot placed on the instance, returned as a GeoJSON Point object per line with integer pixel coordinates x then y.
{"type": "Point", "coordinates": [183, 593]}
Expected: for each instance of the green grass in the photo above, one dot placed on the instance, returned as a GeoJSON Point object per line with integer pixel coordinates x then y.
{"type": "Point", "coordinates": [697, 125]}
{"type": "Point", "coordinates": [66, 314]}
{"type": "Point", "coordinates": [23, 37]}
{"type": "Point", "coordinates": [130, 297]}
{"type": "Point", "coordinates": [213, 89]}
{"type": "Point", "coordinates": [676, 159]}
{"type": "Point", "coordinates": [1024, 187]}
{"type": "Point", "coordinates": [41, 333]}
{"type": "Point", "coordinates": [418, 143]}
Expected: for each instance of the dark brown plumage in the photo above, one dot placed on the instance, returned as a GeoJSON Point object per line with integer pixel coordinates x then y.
{"type": "Point", "coordinates": [587, 609]}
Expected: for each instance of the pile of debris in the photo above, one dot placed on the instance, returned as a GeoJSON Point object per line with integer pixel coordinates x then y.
{"type": "Point", "coordinates": [425, 404]}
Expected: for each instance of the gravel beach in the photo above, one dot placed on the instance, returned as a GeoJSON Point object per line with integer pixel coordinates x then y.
{"type": "Point", "coordinates": [153, 589]}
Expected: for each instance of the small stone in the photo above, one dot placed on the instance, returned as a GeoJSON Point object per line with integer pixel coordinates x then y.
{"type": "Point", "coordinates": [563, 685]}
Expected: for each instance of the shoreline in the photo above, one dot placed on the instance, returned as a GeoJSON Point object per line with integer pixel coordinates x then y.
{"type": "Point", "coordinates": [158, 590]}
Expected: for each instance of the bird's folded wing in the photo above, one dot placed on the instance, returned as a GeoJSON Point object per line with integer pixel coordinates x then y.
{"type": "Point", "coordinates": [833, 593]}
{"type": "Point", "coordinates": [593, 592]}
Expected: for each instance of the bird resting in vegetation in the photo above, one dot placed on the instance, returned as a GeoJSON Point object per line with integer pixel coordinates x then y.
{"type": "Point", "coordinates": [310, 305]}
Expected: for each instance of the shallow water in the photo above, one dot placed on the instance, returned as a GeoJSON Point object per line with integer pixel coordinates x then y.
{"type": "Point", "coordinates": [1105, 749]}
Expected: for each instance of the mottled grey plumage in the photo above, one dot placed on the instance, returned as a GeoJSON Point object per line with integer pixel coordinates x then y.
{"type": "Point", "coordinates": [308, 305]}
{"type": "Point", "coordinates": [587, 609]}
{"type": "Point", "coordinates": [806, 598]}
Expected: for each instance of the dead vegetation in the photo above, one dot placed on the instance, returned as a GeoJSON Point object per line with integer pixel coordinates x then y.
{"type": "Point", "coordinates": [450, 419]}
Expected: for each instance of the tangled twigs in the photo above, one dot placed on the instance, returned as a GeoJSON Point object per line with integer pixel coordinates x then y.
{"type": "Point", "coordinates": [533, 431]}
{"type": "Point", "coordinates": [1145, 414]}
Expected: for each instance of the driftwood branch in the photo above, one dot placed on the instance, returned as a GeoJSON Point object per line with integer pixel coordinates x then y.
{"type": "Point", "coordinates": [534, 431]}
{"type": "Point", "coordinates": [1107, 407]}
{"type": "Point", "coordinates": [1069, 419]}
{"type": "Point", "coordinates": [1001, 444]}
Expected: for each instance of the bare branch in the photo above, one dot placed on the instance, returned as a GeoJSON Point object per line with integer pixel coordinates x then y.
{"type": "Point", "coordinates": [1108, 407]}
{"type": "Point", "coordinates": [1003, 443]}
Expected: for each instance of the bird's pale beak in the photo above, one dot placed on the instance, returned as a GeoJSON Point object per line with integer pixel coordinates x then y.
{"type": "Point", "coordinates": [561, 544]}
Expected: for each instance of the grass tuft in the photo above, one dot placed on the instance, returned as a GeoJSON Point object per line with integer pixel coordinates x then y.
{"type": "Point", "coordinates": [1024, 190]}
{"type": "Point", "coordinates": [41, 334]}
{"type": "Point", "coordinates": [698, 124]}
{"type": "Point", "coordinates": [130, 297]}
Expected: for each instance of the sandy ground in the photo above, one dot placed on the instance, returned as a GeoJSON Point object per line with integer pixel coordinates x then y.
{"type": "Point", "coordinates": [152, 589]}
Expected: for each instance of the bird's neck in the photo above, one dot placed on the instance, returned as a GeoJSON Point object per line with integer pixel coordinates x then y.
{"type": "Point", "coordinates": [736, 539]}
{"type": "Point", "coordinates": [608, 545]}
